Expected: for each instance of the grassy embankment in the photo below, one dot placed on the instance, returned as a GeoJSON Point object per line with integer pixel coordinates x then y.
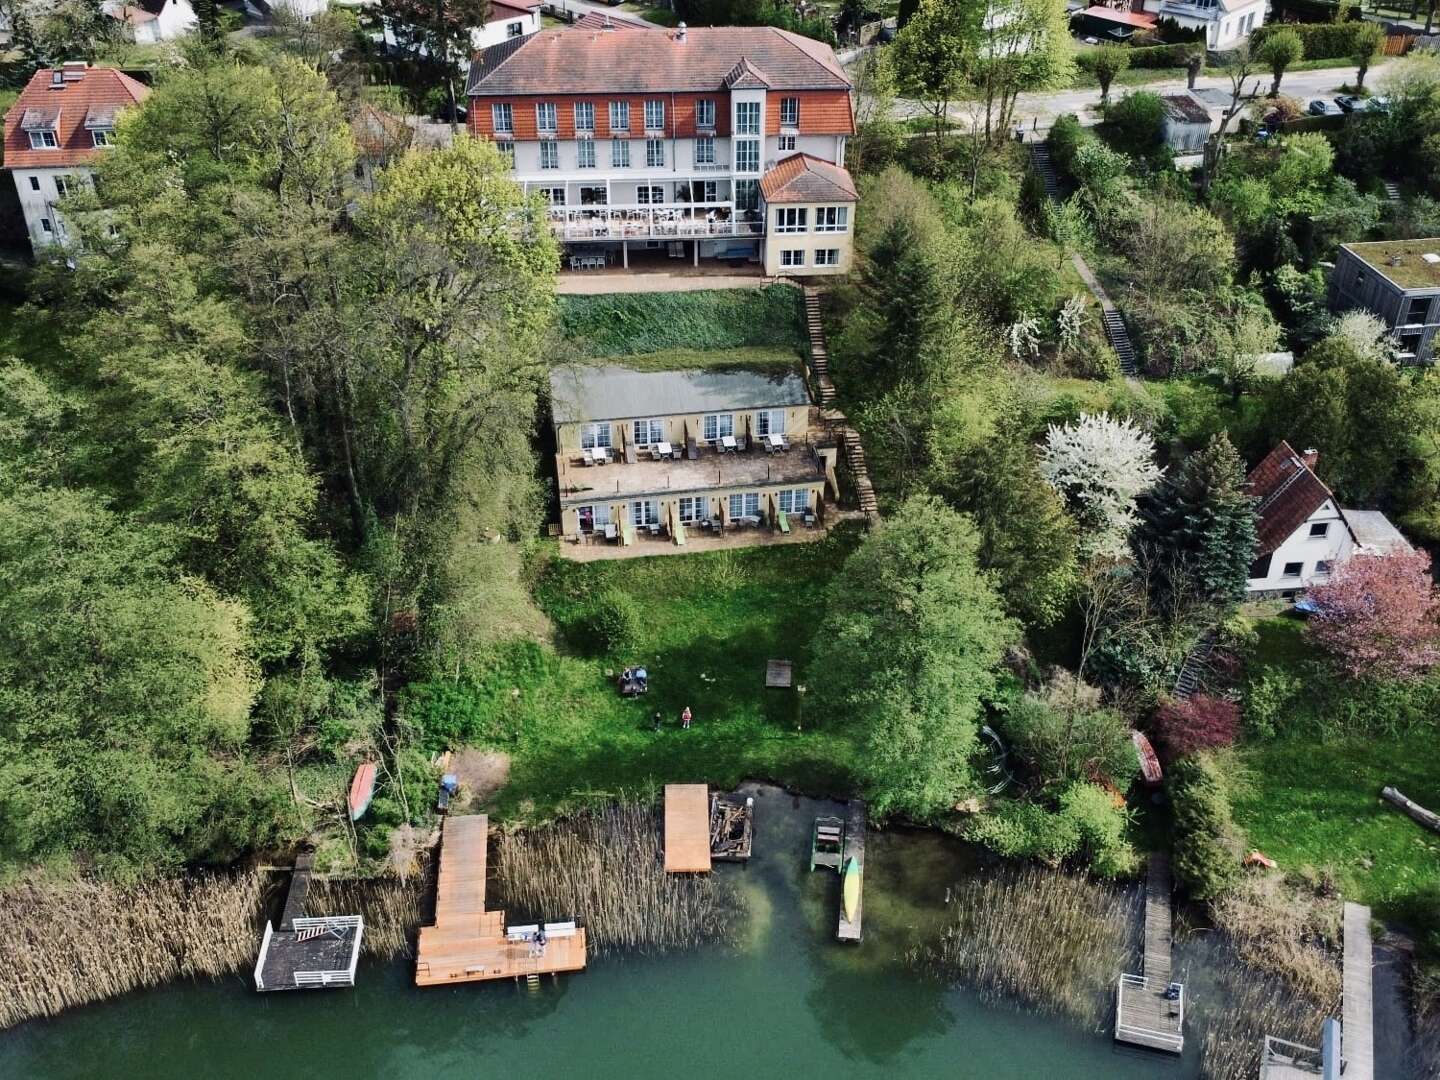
{"type": "Point", "coordinates": [710, 620]}
{"type": "Point", "coordinates": [1308, 799]}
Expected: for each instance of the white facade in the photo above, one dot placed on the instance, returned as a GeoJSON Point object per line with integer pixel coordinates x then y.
{"type": "Point", "coordinates": [1309, 554]}
{"type": "Point", "coordinates": [150, 27]}
{"type": "Point", "coordinates": [40, 192]}
{"type": "Point", "coordinates": [1227, 23]}
{"type": "Point", "coordinates": [505, 23]}
{"type": "Point", "coordinates": [306, 9]}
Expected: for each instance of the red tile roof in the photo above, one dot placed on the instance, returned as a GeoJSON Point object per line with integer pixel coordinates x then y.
{"type": "Point", "coordinates": [96, 93]}
{"type": "Point", "coordinates": [602, 20]}
{"type": "Point", "coordinates": [1127, 18]}
{"type": "Point", "coordinates": [802, 178]}
{"type": "Point", "coordinates": [1288, 492]}
{"type": "Point", "coordinates": [511, 9]}
{"type": "Point", "coordinates": [577, 61]}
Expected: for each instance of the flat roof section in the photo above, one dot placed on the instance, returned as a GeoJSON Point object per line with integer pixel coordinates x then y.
{"type": "Point", "coordinates": [687, 828]}
{"type": "Point", "coordinates": [615, 392]}
{"type": "Point", "coordinates": [1403, 261]}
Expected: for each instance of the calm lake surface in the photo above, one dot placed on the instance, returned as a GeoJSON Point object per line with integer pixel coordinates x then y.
{"type": "Point", "coordinates": [788, 1002]}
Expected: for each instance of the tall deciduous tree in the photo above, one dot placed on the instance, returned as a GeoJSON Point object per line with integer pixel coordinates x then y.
{"type": "Point", "coordinates": [1379, 616]}
{"type": "Point", "coordinates": [437, 31]}
{"type": "Point", "coordinates": [908, 651]}
{"type": "Point", "coordinates": [1277, 52]}
{"type": "Point", "coordinates": [1366, 40]}
{"type": "Point", "coordinates": [1197, 531]}
{"type": "Point", "coordinates": [1108, 62]}
{"type": "Point", "coordinates": [933, 55]}
{"type": "Point", "coordinates": [1100, 465]}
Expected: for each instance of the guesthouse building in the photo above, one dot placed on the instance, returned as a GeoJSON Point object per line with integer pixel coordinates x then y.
{"type": "Point", "coordinates": [1399, 281]}
{"type": "Point", "coordinates": [675, 456]}
{"type": "Point", "coordinates": [711, 143]}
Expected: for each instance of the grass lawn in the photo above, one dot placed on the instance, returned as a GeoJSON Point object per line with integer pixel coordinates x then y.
{"type": "Point", "coordinates": [627, 324]}
{"type": "Point", "coordinates": [712, 621]}
{"type": "Point", "coordinates": [777, 360]}
{"type": "Point", "coordinates": [1308, 800]}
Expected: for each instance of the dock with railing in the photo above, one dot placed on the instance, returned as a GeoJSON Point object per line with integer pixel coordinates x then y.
{"type": "Point", "coordinates": [467, 943]}
{"type": "Point", "coordinates": [308, 953]}
{"type": "Point", "coordinates": [1149, 1007]}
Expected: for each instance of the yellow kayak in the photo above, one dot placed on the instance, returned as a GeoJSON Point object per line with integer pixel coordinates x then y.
{"type": "Point", "coordinates": [850, 888]}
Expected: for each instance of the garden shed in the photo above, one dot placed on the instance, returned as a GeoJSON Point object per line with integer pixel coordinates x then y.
{"type": "Point", "coordinates": [1187, 124]}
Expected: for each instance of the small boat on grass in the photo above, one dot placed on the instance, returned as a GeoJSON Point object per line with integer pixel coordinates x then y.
{"type": "Point", "coordinates": [1149, 760]}
{"type": "Point", "coordinates": [362, 790]}
{"type": "Point", "coordinates": [850, 888]}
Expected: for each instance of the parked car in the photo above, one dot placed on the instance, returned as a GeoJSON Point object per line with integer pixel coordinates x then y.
{"type": "Point", "coordinates": [1349, 102]}
{"type": "Point", "coordinates": [1378, 104]}
{"type": "Point", "coordinates": [1321, 107]}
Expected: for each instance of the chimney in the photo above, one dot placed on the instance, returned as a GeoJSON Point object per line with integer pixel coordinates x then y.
{"type": "Point", "coordinates": [680, 33]}
{"type": "Point", "coordinates": [1310, 457]}
{"type": "Point", "coordinates": [74, 70]}
{"type": "Point", "coordinates": [607, 25]}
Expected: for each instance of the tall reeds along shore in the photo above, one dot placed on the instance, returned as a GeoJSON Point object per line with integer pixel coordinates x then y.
{"type": "Point", "coordinates": [1048, 940]}
{"type": "Point", "coordinates": [605, 865]}
{"type": "Point", "coordinates": [69, 943]}
{"type": "Point", "coordinates": [391, 908]}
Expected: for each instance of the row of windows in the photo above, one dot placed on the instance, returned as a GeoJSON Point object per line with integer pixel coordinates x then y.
{"type": "Point", "coordinates": [795, 219]}
{"type": "Point", "coordinates": [703, 191]}
{"type": "Point", "coordinates": [823, 257]}
{"type": "Point", "coordinates": [693, 509]}
{"type": "Point", "coordinates": [48, 140]}
{"type": "Point", "coordinates": [747, 154]}
{"type": "Point", "coordinates": [1297, 569]}
{"type": "Point", "coordinates": [713, 426]}
{"type": "Point", "coordinates": [547, 116]}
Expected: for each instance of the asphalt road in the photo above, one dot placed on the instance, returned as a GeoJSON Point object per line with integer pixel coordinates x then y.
{"type": "Point", "coordinates": [1038, 111]}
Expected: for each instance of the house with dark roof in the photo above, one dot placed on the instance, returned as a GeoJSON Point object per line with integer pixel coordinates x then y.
{"type": "Point", "coordinates": [1304, 532]}
{"type": "Point", "coordinates": [722, 142]}
{"type": "Point", "coordinates": [64, 118]}
{"type": "Point", "coordinates": [646, 457]}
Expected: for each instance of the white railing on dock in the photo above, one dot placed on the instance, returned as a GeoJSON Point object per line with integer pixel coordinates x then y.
{"type": "Point", "coordinates": [325, 978]}
{"type": "Point", "coordinates": [1135, 1033]}
{"type": "Point", "coordinates": [1282, 1054]}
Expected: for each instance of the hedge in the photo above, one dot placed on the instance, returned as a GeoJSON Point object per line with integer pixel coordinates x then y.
{"type": "Point", "coordinates": [1322, 41]}
{"type": "Point", "coordinates": [1145, 56]}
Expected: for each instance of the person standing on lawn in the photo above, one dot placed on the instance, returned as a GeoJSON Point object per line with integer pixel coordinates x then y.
{"type": "Point", "coordinates": [685, 719]}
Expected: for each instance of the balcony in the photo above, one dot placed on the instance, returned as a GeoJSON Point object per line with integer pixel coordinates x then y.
{"type": "Point", "coordinates": [712, 166]}
{"type": "Point", "coordinates": [673, 221]}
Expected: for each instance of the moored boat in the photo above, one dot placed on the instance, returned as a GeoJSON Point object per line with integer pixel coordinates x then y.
{"type": "Point", "coordinates": [362, 790]}
{"type": "Point", "coordinates": [850, 887]}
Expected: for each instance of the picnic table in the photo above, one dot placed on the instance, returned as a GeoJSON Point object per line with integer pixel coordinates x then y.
{"type": "Point", "coordinates": [774, 442]}
{"type": "Point", "coordinates": [662, 450]}
{"type": "Point", "coordinates": [727, 444]}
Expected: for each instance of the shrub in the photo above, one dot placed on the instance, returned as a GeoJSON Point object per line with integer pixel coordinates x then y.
{"type": "Point", "coordinates": [1059, 744]}
{"type": "Point", "coordinates": [1144, 56]}
{"type": "Point", "coordinates": [1087, 822]}
{"type": "Point", "coordinates": [1137, 121]}
{"type": "Point", "coordinates": [1200, 723]}
{"type": "Point", "coordinates": [1207, 842]}
{"type": "Point", "coordinates": [1320, 41]}
{"type": "Point", "coordinates": [1064, 137]}
{"type": "Point", "coordinates": [1101, 825]}
{"type": "Point", "coordinates": [611, 624]}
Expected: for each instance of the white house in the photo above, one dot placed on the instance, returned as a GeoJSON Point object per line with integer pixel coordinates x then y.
{"type": "Point", "coordinates": [1304, 532]}
{"type": "Point", "coordinates": [1226, 23]}
{"type": "Point", "coordinates": [62, 120]}
{"type": "Point", "coordinates": [308, 9]}
{"type": "Point", "coordinates": [153, 21]}
{"type": "Point", "coordinates": [513, 19]}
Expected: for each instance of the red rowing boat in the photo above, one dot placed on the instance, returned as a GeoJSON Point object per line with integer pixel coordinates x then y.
{"type": "Point", "coordinates": [362, 789]}
{"type": "Point", "coordinates": [1149, 760]}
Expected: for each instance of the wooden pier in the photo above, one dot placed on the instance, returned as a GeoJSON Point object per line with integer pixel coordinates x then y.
{"type": "Point", "coordinates": [308, 954]}
{"type": "Point", "coordinates": [1357, 1038]}
{"type": "Point", "coordinates": [687, 829]}
{"type": "Point", "coordinates": [1148, 1012]}
{"type": "Point", "coordinates": [467, 943]}
{"type": "Point", "coordinates": [850, 929]}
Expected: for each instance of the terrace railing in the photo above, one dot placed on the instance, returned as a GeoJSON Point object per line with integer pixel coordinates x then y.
{"type": "Point", "coordinates": [652, 222]}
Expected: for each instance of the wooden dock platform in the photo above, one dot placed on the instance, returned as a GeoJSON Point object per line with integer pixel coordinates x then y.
{"type": "Point", "coordinates": [850, 929]}
{"type": "Point", "coordinates": [308, 953]}
{"type": "Point", "coordinates": [687, 829]}
{"type": "Point", "coordinates": [1357, 1038]}
{"type": "Point", "coordinates": [467, 943]}
{"type": "Point", "coordinates": [1145, 1015]}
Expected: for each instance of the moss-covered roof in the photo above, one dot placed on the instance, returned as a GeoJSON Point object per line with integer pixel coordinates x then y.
{"type": "Point", "coordinates": [1403, 261]}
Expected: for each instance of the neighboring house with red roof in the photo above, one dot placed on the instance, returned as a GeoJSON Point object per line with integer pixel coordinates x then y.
{"type": "Point", "coordinates": [149, 22]}
{"type": "Point", "coordinates": [1303, 531]}
{"type": "Point", "coordinates": [62, 120]}
{"type": "Point", "coordinates": [508, 19]}
{"type": "Point", "coordinates": [714, 142]}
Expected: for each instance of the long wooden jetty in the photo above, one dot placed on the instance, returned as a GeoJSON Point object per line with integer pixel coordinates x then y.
{"type": "Point", "coordinates": [1150, 1008]}
{"type": "Point", "coordinates": [1357, 1038]}
{"type": "Point", "coordinates": [467, 943]}
{"type": "Point", "coordinates": [687, 828]}
{"type": "Point", "coordinates": [850, 929]}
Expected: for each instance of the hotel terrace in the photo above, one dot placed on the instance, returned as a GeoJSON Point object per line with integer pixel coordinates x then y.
{"type": "Point", "coordinates": [678, 456]}
{"type": "Point", "coordinates": [720, 143]}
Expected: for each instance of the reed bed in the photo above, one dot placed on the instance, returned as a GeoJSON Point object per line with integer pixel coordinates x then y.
{"type": "Point", "coordinates": [1044, 939]}
{"type": "Point", "coordinates": [75, 942]}
{"type": "Point", "coordinates": [604, 864]}
{"type": "Point", "coordinates": [391, 908]}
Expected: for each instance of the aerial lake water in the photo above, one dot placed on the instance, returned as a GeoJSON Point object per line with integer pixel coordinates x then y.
{"type": "Point", "coordinates": [786, 1001]}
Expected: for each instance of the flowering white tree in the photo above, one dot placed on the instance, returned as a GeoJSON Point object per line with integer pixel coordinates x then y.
{"type": "Point", "coordinates": [1367, 333]}
{"type": "Point", "coordinates": [1099, 465]}
{"type": "Point", "coordinates": [1023, 337]}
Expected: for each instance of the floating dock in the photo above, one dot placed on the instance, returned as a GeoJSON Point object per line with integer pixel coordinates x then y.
{"type": "Point", "coordinates": [854, 848]}
{"type": "Point", "coordinates": [308, 954]}
{"type": "Point", "coordinates": [1149, 1008]}
{"type": "Point", "coordinates": [1357, 1038]}
{"type": "Point", "coordinates": [732, 827]}
{"type": "Point", "coordinates": [687, 829]}
{"type": "Point", "coordinates": [467, 943]}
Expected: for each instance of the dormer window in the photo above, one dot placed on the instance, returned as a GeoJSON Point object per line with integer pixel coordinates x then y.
{"type": "Point", "coordinates": [100, 122]}
{"type": "Point", "coordinates": [42, 126]}
{"type": "Point", "coordinates": [43, 140]}
{"type": "Point", "coordinates": [103, 136]}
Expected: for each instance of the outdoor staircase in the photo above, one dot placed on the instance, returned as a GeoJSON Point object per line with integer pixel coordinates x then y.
{"type": "Point", "coordinates": [1045, 169]}
{"type": "Point", "coordinates": [859, 471]}
{"type": "Point", "coordinates": [1392, 191]}
{"type": "Point", "coordinates": [1192, 671]}
{"type": "Point", "coordinates": [819, 357]}
{"type": "Point", "coordinates": [1119, 339]}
